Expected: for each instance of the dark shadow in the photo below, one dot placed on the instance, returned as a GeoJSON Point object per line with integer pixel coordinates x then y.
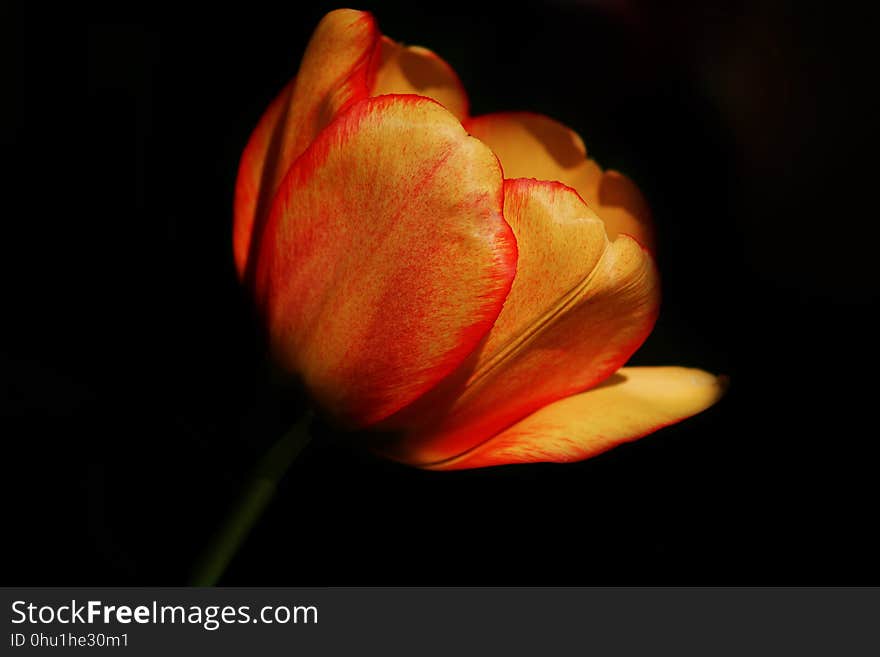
{"type": "Point", "coordinates": [422, 72]}
{"type": "Point", "coordinates": [614, 380]}
{"type": "Point", "coordinates": [267, 192]}
{"type": "Point", "coordinates": [554, 137]}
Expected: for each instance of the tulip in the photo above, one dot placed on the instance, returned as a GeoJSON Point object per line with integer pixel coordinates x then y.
{"type": "Point", "coordinates": [469, 287]}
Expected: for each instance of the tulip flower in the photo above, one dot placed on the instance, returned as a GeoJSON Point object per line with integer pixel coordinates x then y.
{"type": "Point", "coordinates": [469, 287]}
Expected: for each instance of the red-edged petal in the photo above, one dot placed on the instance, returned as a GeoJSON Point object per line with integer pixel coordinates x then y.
{"type": "Point", "coordinates": [386, 257]}
{"type": "Point", "coordinates": [335, 72]}
{"type": "Point", "coordinates": [535, 146]}
{"type": "Point", "coordinates": [579, 307]}
{"type": "Point", "coordinates": [633, 403]}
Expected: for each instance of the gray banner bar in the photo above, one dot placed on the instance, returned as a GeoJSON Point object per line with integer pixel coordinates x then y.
{"type": "Point", "coordinates": [442, 621]}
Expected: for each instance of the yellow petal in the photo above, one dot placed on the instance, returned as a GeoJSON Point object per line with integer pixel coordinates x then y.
{"type": "Point", "coordinates": [535, 146]}
{"type": "Point", "coordinates": [334, 72]}
{"type": "Point", "coordinates": [579, 307]}
{"type": "Point", "coordinates": [633, 403]}
{"type": "Point", "coordinates": [417, 70]}
{"type": "Point", "coordinates": [386, 257]}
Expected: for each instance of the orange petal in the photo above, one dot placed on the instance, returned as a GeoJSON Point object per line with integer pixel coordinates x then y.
{"type": "Point", "coordinates": [386, 257]}
{"type": "Point", "coordinates": [579, 307]}
{"type": "Point", "coordinates": [417, 70]}
{"type": "Point", "coordinates": [535, 146]}
{"type": "Point", "coordinates": [334, 73]}
{"type": "Point", "coordinates": [633, 403]}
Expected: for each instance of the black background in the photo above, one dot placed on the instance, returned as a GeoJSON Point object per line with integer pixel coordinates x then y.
{"type": "Point", "coordinates": [135, 395]}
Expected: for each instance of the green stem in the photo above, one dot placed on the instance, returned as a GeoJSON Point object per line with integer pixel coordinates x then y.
{"type": "Point", "coordinates": [255, 497]}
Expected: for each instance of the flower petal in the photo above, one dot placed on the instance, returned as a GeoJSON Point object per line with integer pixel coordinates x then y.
{"type": "Point", "coordinates": [631, 404]}
{"type": "Point", "coordinates": [535, 146]}
{"type": "Point", "coordinates": [417, 70]}
{"type": "Point", "coordinates": [334, 73]}
{"type": "Point", "coordinates": [579, 307]}
{"type": "Point", "coordinates": [386, 257]}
